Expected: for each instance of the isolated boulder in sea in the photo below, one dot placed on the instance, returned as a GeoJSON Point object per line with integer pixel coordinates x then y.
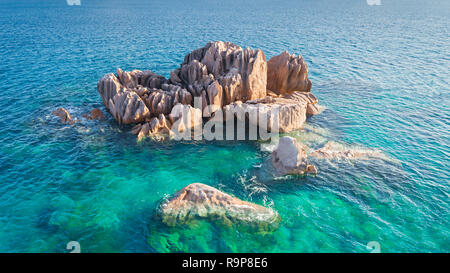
{"type": "Point", "coordinates": [197, 201]}
{"type": "Point", "coordinates": [241, 73]}
{"type": "Point", "coordinates": [287, 72]}
{"type": "Point", "coordinates": [95, 114]}
{"type": "Point", "coordinates": [290, 157]}
{"type": "Point", "coordinates": [63, 114]}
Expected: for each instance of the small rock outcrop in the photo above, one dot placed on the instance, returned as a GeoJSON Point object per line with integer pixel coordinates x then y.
{"type": "Point", "coordinates": [197, 201]}
{"type": "Point", "coordinates": [287, 72]}
{"type": "Point", "coordinates": [95, 114]}
{"type": "Point", "coordinates": [63, 114]}
{"type": "Point", "coordinates": [290, 157]}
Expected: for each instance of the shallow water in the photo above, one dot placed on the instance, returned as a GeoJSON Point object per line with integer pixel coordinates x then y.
{"type": "Point", "coordinates": [382, 72]}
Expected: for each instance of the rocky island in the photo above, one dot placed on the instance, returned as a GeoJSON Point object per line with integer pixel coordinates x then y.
{"type": "Point", "coordinates": [213, 81]}
{"type": "Point", "coordinates": [219, 77]}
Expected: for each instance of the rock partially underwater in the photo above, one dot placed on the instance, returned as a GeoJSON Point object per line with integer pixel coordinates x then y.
{"type": "Point", "coordinates": [334, 150]}
{"type": "Point", "coordinates": [220, 75]}
{"type": "Point", "coordinates": [290, 157]}
{"type": "Point", "coordinates": [63, 114]}
{"type": "Point", "coordinates": [200, 201]}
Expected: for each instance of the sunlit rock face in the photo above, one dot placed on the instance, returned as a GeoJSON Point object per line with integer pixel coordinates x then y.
{"type": "Point", "coordinates": [200, 201]}
{"type": "Point", "coordinates": [224, 70]}
{"type": "Point", "coordinates": [288, 72]}
{"type": "Point", "coordinates": [277, 114]}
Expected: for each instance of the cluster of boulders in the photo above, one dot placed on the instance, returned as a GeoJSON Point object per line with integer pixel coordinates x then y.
{"type": "Point", "coordinates": [219, 75]}
{"type": "Point", "coordinates": [65, 117]}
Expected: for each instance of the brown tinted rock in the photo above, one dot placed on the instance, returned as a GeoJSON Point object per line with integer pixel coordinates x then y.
{"type": "Point", "coordinates": [95, 114]}
{"type": "Point", "coordinates": [287, 72]}
{"type": "Point", "coordinates": [63, 114]}
{"type": "Point", "coordinates": [136, 77]}
{"type": "Point", "coordinates": [197, 201]}
{"type": "Point", "coordinates": [127, 107]}
{"type": "Point", "coordinates": [108, 87]}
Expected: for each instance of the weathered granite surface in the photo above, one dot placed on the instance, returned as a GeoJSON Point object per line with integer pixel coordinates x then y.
{"type": "Point", "coordinates": [288, 72]}
{"type": "Point", "coordinates": [197, 201]}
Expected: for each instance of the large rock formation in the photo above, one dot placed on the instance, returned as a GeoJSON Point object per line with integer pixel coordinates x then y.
{"type": "Point", "coordinates": [290, 157]}
{"type": "Point", "coordinates": [223, 72]}
{"type": "Point", "coordinates": [221, 75]}
{"type": "Point", "coordinates": [287, 72]}
{"type": "Point", "coordinates": [197, 201]}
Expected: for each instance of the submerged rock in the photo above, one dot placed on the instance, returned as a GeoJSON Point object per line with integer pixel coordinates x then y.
{"type": "Point", "coordinates": [290, 157]}
{"type": "Point", "coordinates": [333, 150]}
{"type": "Point", "coordinates": [287, 72]}
{"type": "Point", "coordinates": [95, 114]}
{"type": "Point", "coordinates": [197, 201]}
{"type": "Point", "coordinates": [63, 114]}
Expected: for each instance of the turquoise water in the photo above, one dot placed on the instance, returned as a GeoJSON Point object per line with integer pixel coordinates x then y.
{"type": "Point", "coordinates": [382, 72]}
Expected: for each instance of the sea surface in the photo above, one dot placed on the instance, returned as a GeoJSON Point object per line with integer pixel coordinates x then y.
{"type": "Point", "coordinates": [381, 72]}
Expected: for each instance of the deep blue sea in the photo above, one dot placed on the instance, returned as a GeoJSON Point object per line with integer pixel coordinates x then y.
{"type": "Point", "coordinates": [382, 72]}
